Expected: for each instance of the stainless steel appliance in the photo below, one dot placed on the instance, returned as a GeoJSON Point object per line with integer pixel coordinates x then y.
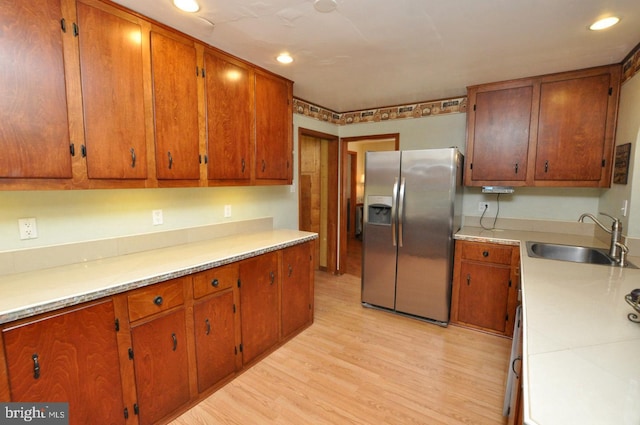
{"type": "Point", "coordinates": [412, 208]}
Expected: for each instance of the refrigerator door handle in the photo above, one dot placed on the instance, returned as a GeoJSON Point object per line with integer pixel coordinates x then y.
{"type": "Point", "coordinates": [401, 211]}
{"type": "Point", "coordinates": [394, 203]}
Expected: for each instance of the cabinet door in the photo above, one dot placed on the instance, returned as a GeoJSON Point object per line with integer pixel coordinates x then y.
{"type": "Point", "coordinates": [296, 288]}
{"type": "Point", "coordinates": [229, 118]}
{"type": "Point", "coordinates": [260, 316]}
{"type": "Point", "coordinates": [175, 102]}
{"type": "Point", "coordinates": [161, 366]}
{"type": "Point", "coordinates": [273, 128]}
{"type": "Point", "coordinates": [483, 295]}
{"type": "Point", "coordinates": [69, 357]}
{"type": "Point", "coordinates": [499, 134]}
{"type": "Point", "coordinates": [112, 94]}
{"type": "Point", "coordinates": [34, 134]}
{"type": "Point", "coordinates": [571, 129]}
{"type": "Point", "coordinates": [215, 330]}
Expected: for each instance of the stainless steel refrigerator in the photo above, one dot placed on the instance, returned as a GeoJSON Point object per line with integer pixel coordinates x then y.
{"type": "Point", "coordinates": [412, 208]}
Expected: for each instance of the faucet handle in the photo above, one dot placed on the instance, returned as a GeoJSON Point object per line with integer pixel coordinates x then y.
{"type": "Point", "coordinates": [616, 221]}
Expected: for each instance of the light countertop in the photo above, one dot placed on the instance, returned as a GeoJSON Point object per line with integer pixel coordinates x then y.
{"type": "Point", "coordinates": [30, 293]}
{"type": "Point", "coordinates": [581, 354]}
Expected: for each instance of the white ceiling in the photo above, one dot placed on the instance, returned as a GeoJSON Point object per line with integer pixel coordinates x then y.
{"type": "Point", "coordinates": [373, 53]}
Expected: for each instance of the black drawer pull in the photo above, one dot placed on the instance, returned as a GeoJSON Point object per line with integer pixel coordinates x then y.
{"type": "Point", "coordinates": [208, 324]}
{"type": "Point", "coordinates": [215, 283]}
{"type": "Point", "coordinates": [272, 277]}
{"type": "Point", "coordinates": [158, 300]}
{"type": "Point", "coordinates": [485, 254]}
{"type": "Point", "coordinates": [36, 366]}
{"type": "Point", "coordinates": [175, 341]}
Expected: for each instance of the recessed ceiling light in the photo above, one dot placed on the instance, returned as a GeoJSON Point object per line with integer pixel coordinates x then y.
{"type": "Point", "coordinates": [325, 6]}
{"type": "Point", "coordinates": [284, 58]}
{"type": "Point", "coordinates": [604, 23]}
{"type": "Point", "coordinates": [187, 5]}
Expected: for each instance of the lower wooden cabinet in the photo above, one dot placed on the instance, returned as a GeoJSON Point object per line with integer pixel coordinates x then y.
{"type": "Point", "coordinates": [259, 292]}
{"type": "Point", "coordinates": [485, 286]}
{"type": "Point", "coordinates": [297, 292]}
{"type": "Point", "coordinates": [144, 356]}
{"type": "Point", "coordinates": [70, 356]}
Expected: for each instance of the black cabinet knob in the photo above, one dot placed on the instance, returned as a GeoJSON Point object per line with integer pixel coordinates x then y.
{"type": "Point", "coordinates": [158, 300]}
{"type": "Point", "coordinates": [485, 253]}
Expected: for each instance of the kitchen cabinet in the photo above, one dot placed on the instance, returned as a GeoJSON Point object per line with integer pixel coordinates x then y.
{"type": "Point", "coordinates": [111, 65]}
{"type": "Point", "coordinates": [230, 124]}
{"type": "Point", "coordinates": [274, 123]}
{"type": "Point", "coordinates": [34, 136]}
{"type": "Point", "coordinates": [159, 349]}
{"type": "Point", "coordinates": [551, 130]}
{"type": "Point", "coordinates": [69, 356]}
{"type": "Point", "coordinates": [175, 101]}
{"type": "Point", "coordinates": [485, 286]}
{"type": "Point", "coordinates": [259, 305]}
{"type": "Point", "coordinates": [216, 324]}
{"type": "Point", "coordinates": [297, 293]}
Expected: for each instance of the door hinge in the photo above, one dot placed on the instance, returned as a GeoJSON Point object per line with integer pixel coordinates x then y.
{"type": "Point", "coordinates": [117, 325]}
{"type": "Point", "coordinates": [509, 283]}
{"type": "Point", "coordinates": [604, 162]}
{"type": "Point", "coordinates": [474, 107]}
{"type": "Point", "coordinates": [130, 353]}
{"type": "Point", "coordinates": [506, 318]}
{"type": "Point", "coordinates": [239, 283]}
{"type": "Point", "coordinates": [610, 91]}
{"type": "Point", "coordinates": [234, 308]}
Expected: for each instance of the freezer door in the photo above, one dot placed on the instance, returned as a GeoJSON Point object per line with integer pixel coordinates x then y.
{"type": "Point", "coordinates": [425, 237]}
{"type": "Point", "coordinates": [379, 251]}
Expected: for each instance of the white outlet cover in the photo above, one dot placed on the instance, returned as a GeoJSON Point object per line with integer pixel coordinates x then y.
{"type": "Point", "coordinates": [28, 228]}
{"type": "Point", "coordinates": [157, 218]}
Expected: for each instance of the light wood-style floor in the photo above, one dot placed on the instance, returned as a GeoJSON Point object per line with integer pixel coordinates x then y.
{"type": "Point", "coordinates": [356, 365]}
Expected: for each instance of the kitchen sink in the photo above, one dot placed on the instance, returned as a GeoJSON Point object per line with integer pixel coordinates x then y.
{"type": "Point", "coordinates": [573, 253]}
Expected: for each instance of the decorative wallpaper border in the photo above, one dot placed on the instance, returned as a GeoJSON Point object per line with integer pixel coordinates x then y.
{"type": "Point", "coordinates": [632, 65]}
{"type": "Point", "coordinates": [416, 110]}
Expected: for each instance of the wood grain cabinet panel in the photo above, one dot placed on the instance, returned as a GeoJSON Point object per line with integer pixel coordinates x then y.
{"type": "Point", "coordinates": [175, 101]}
{"type": "Point", "coordinates": [297, 291]}
{"type": "Point", "coordinates": [274, 148]}
{"type": "Point", "coordinates": [69, 357]}
{"type": "Point", "coordinates": [259, 305]}
{"type": "Point", "coordinates": [34, 135]}
{"type": "Point", "coordinates": [111, 64]}
{"type": "Point", "coordinates": [161, 366]}
{"type": "Point", "coordinates": [229, 101]}
{"type": "Point", "coordinates": [550, 130]}
{"type": "Point", "coordinates": [216, 322]}
{"type": "Point", "coordinates": [485, 286]}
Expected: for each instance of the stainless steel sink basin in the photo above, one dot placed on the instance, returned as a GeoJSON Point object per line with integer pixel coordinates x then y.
{"type": "Point", "coordinates": [573, 253]}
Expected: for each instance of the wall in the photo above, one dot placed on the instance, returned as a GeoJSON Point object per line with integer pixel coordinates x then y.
{"type": "Point", "coordinates": [628, 131]}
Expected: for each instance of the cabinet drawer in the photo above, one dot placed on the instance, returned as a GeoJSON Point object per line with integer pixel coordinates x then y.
{"type": "Point", "coordinates": [490, 253]}
{"type": "Point", "coordinates": [215, 280]}
{"type": "Point", "coordinates": [154, 299]}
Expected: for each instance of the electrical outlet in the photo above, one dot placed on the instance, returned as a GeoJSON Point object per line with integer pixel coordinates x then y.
{"type": "Point", "coordinates": [28, 228]}
{"type": "Point", "coordinates": [156, 217]}
{"type": "Point", "coordinates": [227, 211]}
{"type": "Point", "coordinates": [483, 206]}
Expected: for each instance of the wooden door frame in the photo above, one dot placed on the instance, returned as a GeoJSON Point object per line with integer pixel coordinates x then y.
{"type": "Point", "coordinates": [333, 197]}
{"type": "Point", "coordinates": [344, 149]}
{"type": "Point", "coordinates": [353, 158]}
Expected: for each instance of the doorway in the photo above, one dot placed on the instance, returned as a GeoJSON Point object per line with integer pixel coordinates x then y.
{"type": "Point", "coordinates": [353, 151]}
{"type": "Point", "coordinates": [318, 194]}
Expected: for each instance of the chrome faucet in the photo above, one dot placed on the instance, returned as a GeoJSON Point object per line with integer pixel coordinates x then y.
{"type": "Point", "coordinates": [617, 250]}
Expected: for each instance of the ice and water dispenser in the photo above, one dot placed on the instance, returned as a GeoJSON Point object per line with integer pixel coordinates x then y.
{"type": "Point", "coordinates": [379, 210]}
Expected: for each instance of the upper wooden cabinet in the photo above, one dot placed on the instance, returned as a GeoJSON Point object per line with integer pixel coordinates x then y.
{"type": "Point", "coordinates": [128, 102]}
{"type": "Point", "coordinates": [230, 124]}
{"type": "Point", "coordinates": [274, 145]}
{"type": "Point", "coordinates": [34, 135]}
{"type": "Point", "coordinates": [175, 101]}
{"type": "Point", "coordinates": [111, 65]}
{"type": "Point", "coordinates": [553, 130]}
